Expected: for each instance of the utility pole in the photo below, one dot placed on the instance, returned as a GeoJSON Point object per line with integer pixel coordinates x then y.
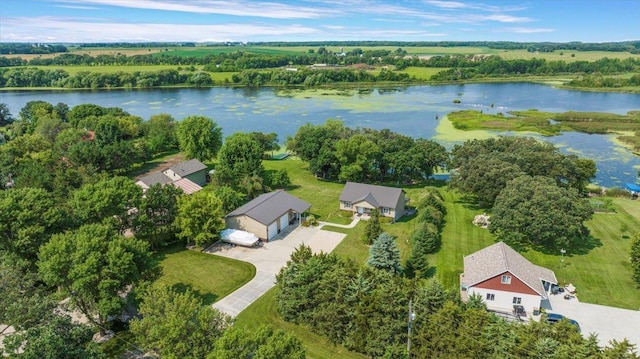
{"type": "Point", "coordinates": [412, 317]}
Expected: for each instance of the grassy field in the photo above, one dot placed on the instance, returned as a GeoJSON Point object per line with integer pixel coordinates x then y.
{"type": "Point", "coordinates": [423, 73]}
{"type": "Point", "coordinates": [209, 276]}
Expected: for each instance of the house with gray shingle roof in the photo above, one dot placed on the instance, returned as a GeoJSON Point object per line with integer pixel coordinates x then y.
{"type": "Point", "coordinates": [504, 279]}
{"type": "Point", "coordinates": [193, 169]}
{"type": "Point", "coordinates": [361, 199]}
{"type": "Point", "coordinates": [189, 176]}
{"type": "Point", "coordinates": [268, 214]}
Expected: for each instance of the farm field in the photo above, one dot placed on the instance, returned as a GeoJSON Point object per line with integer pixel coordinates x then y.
{"type": "Point", "coordinates": [423, 51]}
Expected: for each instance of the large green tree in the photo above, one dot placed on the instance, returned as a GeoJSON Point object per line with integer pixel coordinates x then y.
{"type": "Point", "coordinates": [157, 212]}
{"type": "Point", "coordinates": [5, 115]}
{"type": "Point", "coordinates": [535, 210]}
{"type": "Point", "coordinates": [109, 199]}
{"type": "Point", "coordinates": [59, 337]}
{"type": "Point", "coordinates": [28, 217]}
{"type": "Point", "coordinates": [200, 218]}
{"type": "Point", "coordinates": [160, 133]}
{"type": "Point", "coordinates": [177, 325]}
{"type": "Point", "coordinates": [95, 266]}
{"type": "Point", "coordinates": [240, 164]}
{"type": "Point", "coordinates": [199, 137]}
{"type": "Point", "coordinates": [261, 343]}
{"type": "Point", "coordinates": [384, 254]}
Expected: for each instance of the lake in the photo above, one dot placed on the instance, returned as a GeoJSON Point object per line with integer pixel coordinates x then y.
{"type": "Point", "coordinates": [408, 110]}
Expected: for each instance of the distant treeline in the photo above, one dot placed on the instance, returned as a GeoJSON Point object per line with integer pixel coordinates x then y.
{"type": "Point", "coordinates": [630, 46]}
{"type": "Point", "coordinates": [34, 77]}
{"type": "Point", "coordinates": [24, 48]}
{"type": "Point", "coordinates": [495, 66]}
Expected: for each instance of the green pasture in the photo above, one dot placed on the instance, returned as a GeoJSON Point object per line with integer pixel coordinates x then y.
{"type": "Point", "coordinates": [209, 276]}
{"type": "Point", "coordinates": [564, 55]}
{"type": "Point", "coordinates": [422, 73]}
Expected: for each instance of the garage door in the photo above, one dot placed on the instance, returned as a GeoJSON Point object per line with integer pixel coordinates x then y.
{"type": "Point", "coordinates": [272, 230]}
{"type": "Point", "coordinates": [284, 222]}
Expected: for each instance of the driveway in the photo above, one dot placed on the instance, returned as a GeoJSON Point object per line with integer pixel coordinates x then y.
{"type": "Point", "coordinates": [608, 322]}
{"type": "Point", "coordinates": [268, 260]}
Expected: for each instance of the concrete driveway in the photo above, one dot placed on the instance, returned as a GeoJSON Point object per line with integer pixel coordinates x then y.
{"type": "Point", "coordinates": [608, 322]}
{"type": "Point", "coordinates": [268, 260]}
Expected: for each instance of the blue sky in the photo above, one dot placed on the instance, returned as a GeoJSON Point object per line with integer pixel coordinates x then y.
{"type": "Point", "coordinates": [318, 20]}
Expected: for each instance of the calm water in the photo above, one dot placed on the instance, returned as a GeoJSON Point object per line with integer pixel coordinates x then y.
{"type": "Point", "coordinates": [407, 110]}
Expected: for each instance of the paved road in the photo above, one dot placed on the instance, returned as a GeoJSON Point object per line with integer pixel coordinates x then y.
{"type": "Point", "coordinates": [268, 260]}
{"type": "Point", "coordinates": [608, 322]}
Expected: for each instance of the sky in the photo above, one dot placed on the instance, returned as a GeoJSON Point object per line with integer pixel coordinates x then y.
{"type": "Point", "coordinates": [68, 21]}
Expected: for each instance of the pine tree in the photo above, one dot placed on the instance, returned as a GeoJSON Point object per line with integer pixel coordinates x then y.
{"type": "Point", "coordinates": [384, 254]}
{"type": "Point", "coordinates": [418, 260]}
{"type": "Point", "coordinates": [372, 230]}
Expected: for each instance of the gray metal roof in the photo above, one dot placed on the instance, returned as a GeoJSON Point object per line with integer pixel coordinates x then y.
{"type": "Point", "coordinates": [268, 207]}
{"type": "Point", "coordinates": [499, 258]}
{"type": "Point", "coordinates": [375, 195]}
{"type": "Point", "coordinates": [155, 178]}
{"type": "Point", "coordinates": [188, 167]}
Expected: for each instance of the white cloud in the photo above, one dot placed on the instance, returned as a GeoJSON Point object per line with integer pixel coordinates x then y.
{"type": "Point", "coordinates": [447, 4]}
{"type": "Point", "coordinates": [271, 10]}
{"type": "Point", "coordinates": [71, 30]}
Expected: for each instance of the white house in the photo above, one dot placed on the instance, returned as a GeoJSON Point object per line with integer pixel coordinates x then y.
{"type": "Point", "coordinates": [504, 279]}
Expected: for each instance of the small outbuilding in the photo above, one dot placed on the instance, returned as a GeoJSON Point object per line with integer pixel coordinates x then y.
{"type": "Point", "coordinates": [268, 214]}
{"type": "Point", "coordinates": [633, 188]}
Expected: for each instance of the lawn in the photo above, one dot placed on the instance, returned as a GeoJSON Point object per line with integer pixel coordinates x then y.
{"type": "Point", "coordinates": [423, 73]}
{"type": "Point", "coordinates": [209, 276]}
{"type": "Point", "coordinates": [602, 274]}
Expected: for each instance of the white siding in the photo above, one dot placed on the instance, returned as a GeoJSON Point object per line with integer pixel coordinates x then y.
{"type": "Point", "coordinates": [272, 230]}
{"type": "Point", "coordinates": [503, 301]}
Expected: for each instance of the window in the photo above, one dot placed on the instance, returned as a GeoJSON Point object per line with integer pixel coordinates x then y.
{"type": "Point", "coordinates": [517, 300]}
{"type": "Point", "coordinates": [386, 210]}
{"type": "Point", "coordinates": [506, 279]}
{"type": "Point", "coordinates": [491, 296]}
{"type": "Point", "coordinates": [347, 204]}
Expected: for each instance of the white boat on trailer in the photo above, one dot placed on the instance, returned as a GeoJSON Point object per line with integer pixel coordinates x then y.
{"type": "Point", "coordinates": [240, 238]}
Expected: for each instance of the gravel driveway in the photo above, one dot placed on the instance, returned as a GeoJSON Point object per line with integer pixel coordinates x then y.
{"type": "Point", "coordinates": [268, 260]}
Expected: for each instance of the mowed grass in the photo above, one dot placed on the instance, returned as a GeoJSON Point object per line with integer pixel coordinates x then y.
{"type": "Point", "coordinates": [209, 276]}
{"type": "Point", "coordinates": [602, 275]}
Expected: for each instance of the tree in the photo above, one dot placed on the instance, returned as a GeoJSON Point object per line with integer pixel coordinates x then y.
{"type": "Point", "coordinates": [5, 115]}
{"type": "Point", "coordinates": [57, 338]}
{"type": "Point", "coordinates": [263, 343]}
{"type": "Point", "coordinates": [240, 158]}
{"type": "Point", "coordinates": [428, 235]}
{"type": "Point", "coordinates": [418, 263]}
{"type": "Point", "coordinates": [95, 266]}
{"type": "Point", "coordinates": [160, 133]}
{"type": "Point", "coordinates": [231, 199]}
{"type": "Point", "coordinates": [372, 230]}
{"type": "Point", "coordinates": [279, 179]}
{"type": "Point", "coordinates": [157, 212]}
{"type": "Point", "coordinates": [268, 141]}
{"type": "Point", "coordinates": [28, 217]}
{"type": "Point", "coordinates": [384, 254]}
{"type": "Point", "coordinates": [484, 177]}
{"type": "Point", "coordinates": [199, 137]}
{"type": "Point", "coordinates": [535, 210]}
{"type": "Point", "coordinates": [200, 218]}
{"type": "Point", "coordinates": [634, 258]}
{"type": "Point", "coordinates": [356, 154]}
{"type": "Point", "coordinates": [177, 325]}
{"type": "Point", "coordinates": [109, 198]}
